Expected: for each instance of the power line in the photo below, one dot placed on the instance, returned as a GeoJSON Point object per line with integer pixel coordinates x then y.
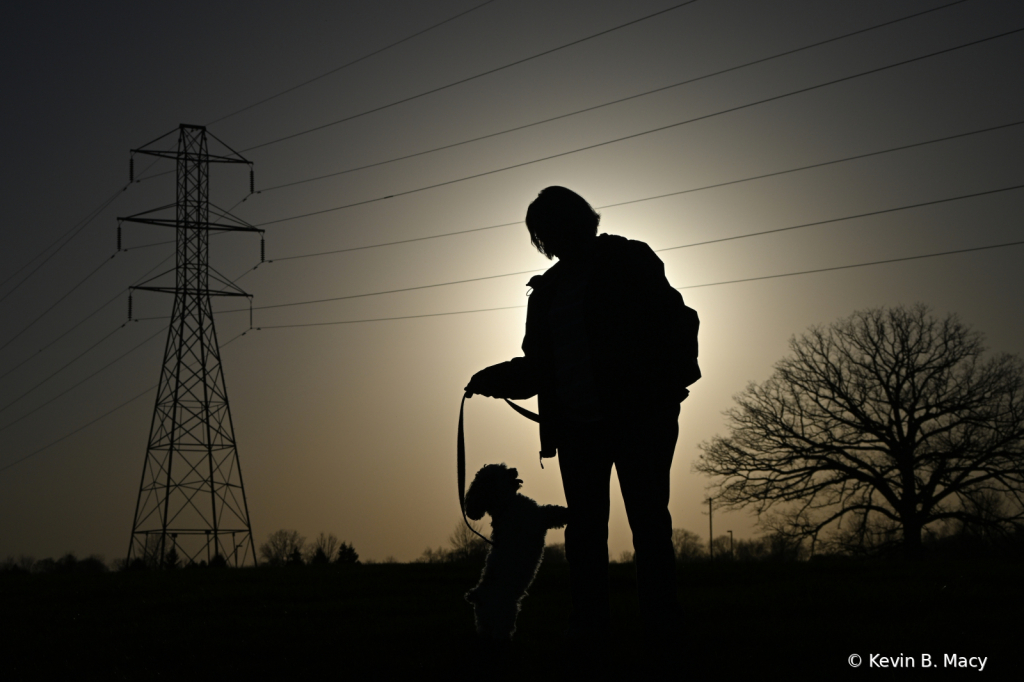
{"type": "Point", "coordinates": [669, 248]}
{"type": "Point", "coordinates": [399, 241]}
{"type": "Point", "coordinates": [55, 373]}
{"type": "Point", "coordinates": [646, 132]}
{"type": "Point", "coordinates": [351, 63]}
{"type": "Point", "coordinates": [856, 265]}
{"type": "Point", "coordinates": [66, 365]}
{"type": "Point", "coordinates": [668, 194]}
{"type": "Point", "coordinates": [851, 217]}
{"type": "Point", "coordinates": [85, 319]}
{"type": "Point", "coordinates": [101, 369]}
{"type": "Point", "coordinates": [59, 300]}
{"type": "Point", "coordinates": [392, 291]}
{"type": "Point", "coordinates": [88, 424]}
{"type": "Point", "coordinates": [74, 231]}
{"type": "Point", "coordinates": [93, 313]}
{"type": "Point", "coordinates": [481, 310]}
{"type": "Point", "coordinates": [692, 286]}
{"type": "Point", "coordinates": [617, 101]}
{"type": "Point", "coordinates": [81, 428]}
{"type": "Point", "coordinates": [384, 319]}
{"type": "Point", "coordinates": [470, 78]}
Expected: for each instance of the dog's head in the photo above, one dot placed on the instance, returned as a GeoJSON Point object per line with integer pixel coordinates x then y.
{"type": "Point", "coordinates": [494, 486]}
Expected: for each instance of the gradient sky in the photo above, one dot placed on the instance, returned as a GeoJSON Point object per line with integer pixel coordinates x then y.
{"type": "Point", "coordinates": [350, 428]}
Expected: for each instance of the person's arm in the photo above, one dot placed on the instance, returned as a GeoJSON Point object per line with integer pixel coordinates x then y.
{"type": "Point", "coordinates": [515, 379]}
{"type": "Point", "coordinates": [519, 378]}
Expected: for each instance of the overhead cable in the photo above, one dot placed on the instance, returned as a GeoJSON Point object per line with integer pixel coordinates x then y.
{"type": "Point", "coordinates": [351, 63]}
{"type": "Point", "coordinates": [692, 286]}
{"type": "Point", "coordinates": [85, 319]}
{"type": "Point", "coordinates": [73, 232]}
{"type": "Point", "coordinates": [668, 248]}
{"type": "Point", "coordinates": [68, 390]}
{"type": "Point", "coordinates": [65, 366]}
{"type": "Point", "coordinates": [856, 265]}
{"type": "Point", "coordinates": [607, 104]}
{"type": "Point", "coordinates": [665, 195]}
{"type": "Point", "coordinates": [645, 132]}
{"type": "Point", "coordinates": [59, 300]}
{"type": "Point", "coordinates": [850, 217]}
{"type": "Point", "coordinates": [470, 78]}
{"type": "Point", "coordinates": [90, 423]}
{"type": "Point", "coordinates": [385, 319]}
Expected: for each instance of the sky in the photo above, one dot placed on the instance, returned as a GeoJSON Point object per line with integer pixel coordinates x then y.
{"type": "Point", "coordinates": [348, 426]}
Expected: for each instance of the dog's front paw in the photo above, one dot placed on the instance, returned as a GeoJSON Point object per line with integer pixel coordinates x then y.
{"type": "Point", "coordinates": [557, 516]}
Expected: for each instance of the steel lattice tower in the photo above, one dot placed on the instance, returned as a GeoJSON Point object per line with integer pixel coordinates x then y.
{"type": "Point", "coordinates": [191, 498]}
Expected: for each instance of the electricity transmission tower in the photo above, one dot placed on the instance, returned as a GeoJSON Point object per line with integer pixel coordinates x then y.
{"type": "Point", "coordinates": [191, 499]}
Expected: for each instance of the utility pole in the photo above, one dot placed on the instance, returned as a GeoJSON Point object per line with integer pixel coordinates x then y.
{"type": "Point", "coordinates": [191, 498]}
{"type": "Point", "coordinates": [711, 532]}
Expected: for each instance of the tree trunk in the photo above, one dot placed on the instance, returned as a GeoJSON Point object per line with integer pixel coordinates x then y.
{"type": "Point", "coordinates": [912, 539]}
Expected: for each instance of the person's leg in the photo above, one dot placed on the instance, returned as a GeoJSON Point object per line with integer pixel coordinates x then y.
{"type": "Point", "coordinates": [643, 461]}
{"type": "Point", "coordinates": [586, 474]}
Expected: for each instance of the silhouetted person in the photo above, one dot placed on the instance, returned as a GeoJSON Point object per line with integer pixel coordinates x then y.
{"type": "Point", "coordinates": [602, 355]}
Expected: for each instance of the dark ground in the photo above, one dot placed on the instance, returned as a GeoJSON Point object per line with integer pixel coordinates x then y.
{"type": "Point", "coordinates": [801, 620]}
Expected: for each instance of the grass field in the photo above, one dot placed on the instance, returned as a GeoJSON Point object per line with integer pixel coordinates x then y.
{"type": "Point", "coordinates": [799, 620]}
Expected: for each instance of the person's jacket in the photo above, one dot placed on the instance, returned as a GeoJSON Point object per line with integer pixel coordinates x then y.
{"type": "Point", "coordinates": [632, 326]}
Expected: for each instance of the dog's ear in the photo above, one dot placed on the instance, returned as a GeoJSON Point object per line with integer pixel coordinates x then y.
{"type": "Point", "coordinates": [476, 500]}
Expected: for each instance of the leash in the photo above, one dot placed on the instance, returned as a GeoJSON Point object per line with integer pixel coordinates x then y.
{"type": "Point", "coordinates": [461, 456]}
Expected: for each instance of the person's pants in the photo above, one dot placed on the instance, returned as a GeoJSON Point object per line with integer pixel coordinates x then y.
{"type": "Point", "coordinates": [641, 451]}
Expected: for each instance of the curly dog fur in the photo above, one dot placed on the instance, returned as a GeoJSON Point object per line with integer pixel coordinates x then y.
{"type": "Point", "coordinates": [518, 527]}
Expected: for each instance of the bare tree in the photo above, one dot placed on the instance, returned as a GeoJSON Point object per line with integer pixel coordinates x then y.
{"type": "Point", "coordinates": [688, 545]}
{"type": "Point", "coordinates": [323, 548]}
{"type": "Point", "coordinates": [282, 546]}
{"type": "Point", "coordinates": [885, 421]}
{"type": "Point", "coordinates": [466, 545]}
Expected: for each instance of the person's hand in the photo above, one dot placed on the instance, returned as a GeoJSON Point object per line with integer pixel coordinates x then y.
{"type": "Point", "coordinates": [481, 384]}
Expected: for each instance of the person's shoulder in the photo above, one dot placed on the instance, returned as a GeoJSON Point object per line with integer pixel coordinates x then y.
{"type": "Point", "coordinates": [619, 248]}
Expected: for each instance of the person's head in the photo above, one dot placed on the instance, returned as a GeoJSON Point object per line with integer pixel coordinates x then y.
{"type": "Point", "coordinates": [560, 221]}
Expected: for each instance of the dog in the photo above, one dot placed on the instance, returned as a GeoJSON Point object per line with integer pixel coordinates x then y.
{"type": "Point", "coordinates": [518, 527]}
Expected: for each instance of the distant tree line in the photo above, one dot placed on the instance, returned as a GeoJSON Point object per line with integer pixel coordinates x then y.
{"type": "Point", "coordinates": [955, 539]}
{"type": "Point", "coordinates": [464, 546]}
{"type": "Point", "coordinates": [153, 556]}
{"type": "Point", "coordinates": [68, 563]}
{"type": "Point", "coordinates": [289, 548]}
{"type": "Point", "coordinates": [691, 547]}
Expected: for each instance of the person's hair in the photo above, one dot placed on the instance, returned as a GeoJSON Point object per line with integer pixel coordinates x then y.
{"type": "Point", "coordinates": [557, 216]}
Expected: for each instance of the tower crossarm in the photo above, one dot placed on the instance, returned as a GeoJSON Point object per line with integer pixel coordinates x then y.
{"type": "Point", "coordinates": [208, 226]}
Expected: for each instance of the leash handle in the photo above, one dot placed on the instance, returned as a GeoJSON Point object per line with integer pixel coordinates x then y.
{"type": "Point", "coordinates": [461, 466]}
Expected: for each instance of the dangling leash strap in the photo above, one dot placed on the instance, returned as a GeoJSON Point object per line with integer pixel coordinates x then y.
{"type": "Point", "coordinates": [461, 456]}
